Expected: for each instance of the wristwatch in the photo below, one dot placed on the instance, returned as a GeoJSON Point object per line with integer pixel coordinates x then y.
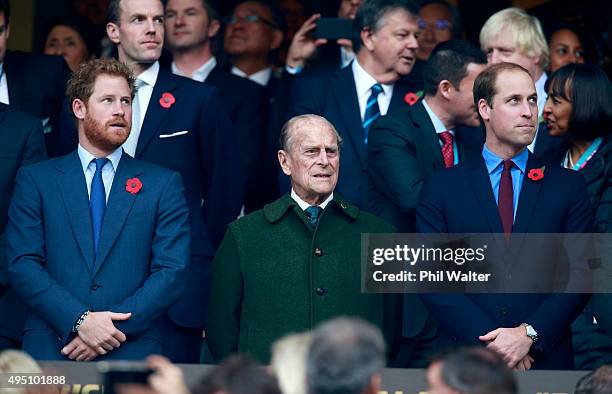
{"type": "Point", "coordinates": [531, 332]}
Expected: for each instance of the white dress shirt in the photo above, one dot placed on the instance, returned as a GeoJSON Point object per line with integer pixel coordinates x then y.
{"type": "Point", "coordinates": [4, 96]}
{"type": "Point", "coordinates": [261, 77]}
{"type": "Point", "coordinates": [303, 204]}
{"type": "Point", "coordinates": [364, 83]}
{"type": "Point", "coordinates": [148, 79]}
{"type": "Point", "coordinates": [108, 171]}
{"type": "Point", "coordinates": [201, 73]}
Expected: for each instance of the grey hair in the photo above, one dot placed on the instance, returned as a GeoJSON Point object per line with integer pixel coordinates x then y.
{"type": "Point", "coordinates": [287, 132]}
{"type": "Point", "coordinates": [344, 354]}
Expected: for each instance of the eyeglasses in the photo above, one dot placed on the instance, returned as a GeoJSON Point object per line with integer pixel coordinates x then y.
{"type": "Point", "coordinates": [440, 24]}
{"type": "Point", "coordinates": [250, 18]}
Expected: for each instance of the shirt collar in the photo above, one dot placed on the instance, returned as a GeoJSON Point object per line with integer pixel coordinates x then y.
{"type": "Point", "coordinates": [492, 161]}
{"type": "Point", "coordinates": [201, 73]}
{"type": "Point", "coordinates": [149, 76]}
{"type": "Point", "coordinates": [261, 77]}
{"type": "Point", "coordinates": [364, 81]}
{"type": "Point", "coordinates": [303, 204]}
{"type": "Point", "coordinates": [87, 157]}
{"type": "Point", "coordinates": [437, 123]}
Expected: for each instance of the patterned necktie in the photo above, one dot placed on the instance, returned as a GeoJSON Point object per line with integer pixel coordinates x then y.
{"type": "Point", "coordinates": [447, 148]}
{"type": "Point", "coordinates": [97, 200]}
{"type": "Point", "coordinates": [372, 111]}
{"type": "Point", "coordinates": [505, 198]}
{"type": "Point", "coordinates": [129, 146]}
{"type": "Point", "coordinates": [313, 213]}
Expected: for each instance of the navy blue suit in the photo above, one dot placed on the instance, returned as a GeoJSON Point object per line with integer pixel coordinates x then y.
{"type": "Point", "coordinates": [138, 266]}
{"type": "Point", "coordinates": [37, 85]}
{"type": "Point", "coordinates": [207, 159]}
{"type": "Point", "coordinates": [333, 95]}
{"type": "Point", "coordinates": [22, 142]}
{"type": "Point", "coordinates": [461, 200]}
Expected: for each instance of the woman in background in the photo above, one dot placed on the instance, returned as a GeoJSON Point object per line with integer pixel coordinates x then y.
{"type": "Point", "coordinates": [72, 38]}
{"type": "Point", "coordinates": [579, 109]}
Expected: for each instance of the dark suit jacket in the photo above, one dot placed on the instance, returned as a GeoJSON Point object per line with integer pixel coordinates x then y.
{"type": "Point", "coordinates": [206, 157]}
{"type": "Point", "coordinates": [461, 200]}
{"type": "Point", "coordinates": [333, 95]}
{"type": "Point", "coordinates": [37, 85]}
{"type": "Point", "coordinates": [138, 267]}
{"type": "Point", "coordinates": [246, 104]}
{"type": "Point", "coordinates": [403, 150]}
{"type": "Point", "coordinates": [21, 143]}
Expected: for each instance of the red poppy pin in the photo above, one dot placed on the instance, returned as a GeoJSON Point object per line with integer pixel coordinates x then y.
{"type": "Point", "coordinates": [411, 98]}
{"type": "Point", "coordinates": [133, 185]}
{"type": "Point", "coordinates": [535, 174]}
{"type": "Point", "coordinates": [166, 100]}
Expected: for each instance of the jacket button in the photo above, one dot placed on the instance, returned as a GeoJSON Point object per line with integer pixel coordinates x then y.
{"type": "Point", "coordinates": [318, 252]}
{"type": "Point", "coordinates": [94, 286]}
{"type": "Point", "coordinates": [503, 311]}
{"type": "Point", "coordinates": [321, 291]}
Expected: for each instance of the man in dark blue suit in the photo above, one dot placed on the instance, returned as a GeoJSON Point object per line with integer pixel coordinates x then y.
{"type": "Point", "coordinates": [32, 82]}
{"type": "Point", "coordinates": [191, 27]}
{"type": "Point", "coordinates": [97, 242]}
{"type": "Point", "coordinates": [496, 193]}
{"type": "Point", "coordinates": [352, 98]}
{"type": "Point", "coordinates": [22, 141]}
{"type": "Point", "coordinates": [179, 124]}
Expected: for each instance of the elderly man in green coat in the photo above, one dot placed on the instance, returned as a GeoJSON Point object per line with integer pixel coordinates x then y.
{"type": "Point", "coordinates": [296, 262]}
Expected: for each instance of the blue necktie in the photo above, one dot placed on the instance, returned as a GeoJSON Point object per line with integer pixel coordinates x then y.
{"type": "Point", "coordinates": [313, 213]}
{"type": "Point", "coordinates": [97, 200]}
{"type": "Point", "coordinates": [372, 111]}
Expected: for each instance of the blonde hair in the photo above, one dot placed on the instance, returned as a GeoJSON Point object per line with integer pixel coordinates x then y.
{"type": "Point", "coordinates": [289, 362]}
{"type": "Point", "coordinates": [526, 30]}
{"type": "Point", "coordinates": [15, 362]}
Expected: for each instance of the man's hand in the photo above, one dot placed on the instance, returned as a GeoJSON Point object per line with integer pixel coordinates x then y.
{"type": "Point", "coordinates": [303, 45]}
{"type": "Point", "coordinates": [99, 332]}
{"type": "Point", "coordinates": [78, 350]}
{"type": "Point", "coordinates": [525, 364]}
{"type": "Point", "coordinates": [512, 344]}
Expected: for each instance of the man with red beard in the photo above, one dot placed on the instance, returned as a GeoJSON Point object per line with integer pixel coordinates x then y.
{"type": "Point", "coordinates": [97, 287]}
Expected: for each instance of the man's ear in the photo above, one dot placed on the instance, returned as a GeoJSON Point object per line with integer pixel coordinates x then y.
{"type": "Point", "coordinates": [445, 87]}
{"type": "Point", "coordinates": [8, 31]}
{"type": "Point", "coordinates": [367, 38]}
{"type": "Point", "coordinates": [112, 31]}
{"type": "Point", "coordinates": [285, 162]}
{"type": "Point", "coordinates": [277, 39]}
{"type": "Point", "coordinates": [79, 109]}
{"type": "Point", "coordinates": [213, 28]}
{"type": "Point", "coordinates": [484, 110]}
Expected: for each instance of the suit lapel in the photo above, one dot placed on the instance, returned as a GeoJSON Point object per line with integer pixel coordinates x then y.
{"type": "Point", "coordinates": [118, 207]}
{"type": "Point", "coordinates": [481, 184]}
{"type": "Point", "coordinates": [346, 95]}
{"type": "Point", "coordinates": [155, 112]}
{"type": "Point", "coordinates": [13, 80]}
{"type": "Point", "coordinates": [73, 188]}
{"type": "Point", "coordinates": [428, 132]}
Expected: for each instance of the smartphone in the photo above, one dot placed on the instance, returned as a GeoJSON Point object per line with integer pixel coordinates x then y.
{"type": "Point", "coordinates": [333, 28]}
{"type": "Point", "coordinates": [123, 373]}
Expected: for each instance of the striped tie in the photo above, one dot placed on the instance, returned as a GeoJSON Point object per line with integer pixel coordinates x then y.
{"type": "Point", "coordinates": [372, 111]}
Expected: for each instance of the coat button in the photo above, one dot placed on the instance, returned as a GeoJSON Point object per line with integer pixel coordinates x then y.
{"type": "Point", "coordinates": [321, 291]}
{"type": "Point", "coordinates": [318, 252]}
{"type": "Point", "coordinates": [503, 311]}
{"type": "Point", "coordinates": [94, 286]}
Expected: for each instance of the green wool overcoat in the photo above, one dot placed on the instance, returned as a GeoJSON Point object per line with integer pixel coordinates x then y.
{"type": "Point", "coordinates": [274, 274]}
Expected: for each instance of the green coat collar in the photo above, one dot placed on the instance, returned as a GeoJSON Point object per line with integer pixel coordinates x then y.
{"type": "Point", "coordinates": [277, 209]}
